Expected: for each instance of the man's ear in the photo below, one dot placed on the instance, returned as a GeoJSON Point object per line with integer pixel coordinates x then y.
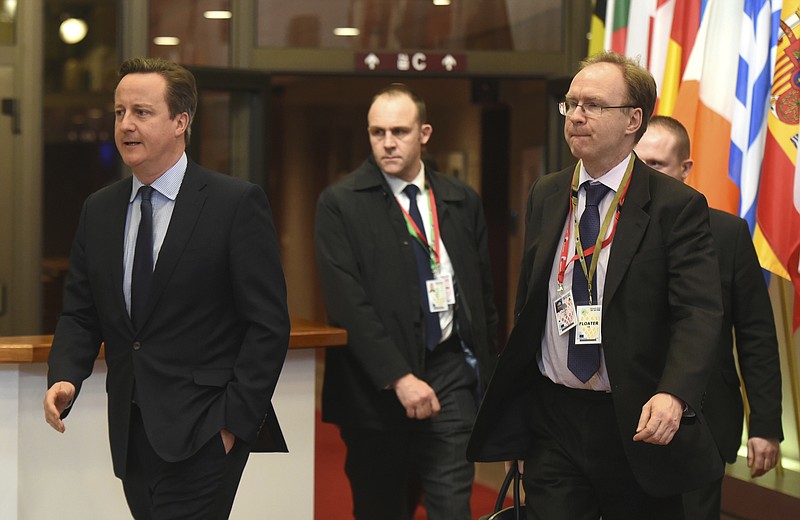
{"type": "Point", "coordinates": [425, 133]}
{"type": "Point", "coordinates": [181, 123]}
{"type": "Point", "coordinates": [686, 167]}
{"type": "Point", "coordinates": [634, 121]}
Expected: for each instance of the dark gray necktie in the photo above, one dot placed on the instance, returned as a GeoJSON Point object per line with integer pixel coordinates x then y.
{"type": "Point", "coordinates": [584, 360]}
{"type": "Point", "coordinates": [142, 272]}
{"type": "Point", "coordinates": [433, 331]}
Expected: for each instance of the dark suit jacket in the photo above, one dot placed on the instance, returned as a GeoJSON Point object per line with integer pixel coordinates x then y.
{"type": "Point", "coordinates": [216, 328]}
{"type": "Point", "coordinates": [661, 314]}
{"type": "Point", "coordinates": [748, 312]}
{"type": "Point", "coordinates": [369, 280]}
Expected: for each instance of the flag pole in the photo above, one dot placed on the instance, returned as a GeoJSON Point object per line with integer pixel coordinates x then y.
{"type": "Point", "coordinates": [794, 383]}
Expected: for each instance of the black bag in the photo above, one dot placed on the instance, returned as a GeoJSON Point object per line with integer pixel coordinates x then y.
{"type": "Point", "coordinates": [514, 512]}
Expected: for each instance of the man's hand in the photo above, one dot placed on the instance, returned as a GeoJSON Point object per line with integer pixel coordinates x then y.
{"type": "Point", "coordinates": [660, 419]}
{"type": "Point", "coordinates": [56, 400]}
{"type": "Point", "coordinates": [762, 455]}
{"type": "Point", "coordinates": [228, 440]}
{"type": "Point", "coordinates": [417, 397]}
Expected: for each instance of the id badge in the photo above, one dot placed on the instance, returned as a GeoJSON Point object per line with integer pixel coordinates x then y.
{"type": "Point", "coordinates": [564, 308]}
{"type": "Point", "coordinates": [589, 324]}
{"type": "Point", "coordinates": [437, 295]}
{"type": "Point", "coordinates": [447, 279]}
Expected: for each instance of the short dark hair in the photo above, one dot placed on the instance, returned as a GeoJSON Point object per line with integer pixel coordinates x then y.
{"type": "Point", "coordinates": [682, 143]}
{"type": "Point", "coordinates": [181, 95]}
{"type": "Point", "coordinates": [640, 83]}
{"type": "Point", "coordinates": [400, 89]}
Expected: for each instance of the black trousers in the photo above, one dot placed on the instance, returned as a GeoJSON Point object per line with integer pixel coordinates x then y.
{"type": "Point", "coordinates": [578, 469]}
{"type": "Point", "coordinates": [704, 503]}
{"type": "Point", "coordinates": [389, 468]}
{"type": "Point", "coordinates": [200, 487]}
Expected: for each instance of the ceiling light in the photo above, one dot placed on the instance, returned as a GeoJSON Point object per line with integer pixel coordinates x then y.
{"type": "Point", "coordinates": [218, 15]}
{"type": "Point", "coordinates": [346, 31]}
{"type": "Point", "coordinates": [73, 30]}
{"type": "Point", "coordinates": [166, 40]}
{"type": "Point", "coordinates": [441, 2]}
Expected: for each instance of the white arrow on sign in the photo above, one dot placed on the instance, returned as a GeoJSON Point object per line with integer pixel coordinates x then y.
{"type": "Point", "coordinates": [372, 61]}
{"type": "Point", "coordinates": [449, 62]}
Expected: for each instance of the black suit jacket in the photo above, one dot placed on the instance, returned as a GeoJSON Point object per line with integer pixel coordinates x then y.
{"type": "Point", "coordinates": [661, 314]}
{"type": "Point", "coordinates": [748, 313]}
{"type": "Point", "coordinates": [370, 285]}
{"type": "Point", "coordinates": [215, 331]}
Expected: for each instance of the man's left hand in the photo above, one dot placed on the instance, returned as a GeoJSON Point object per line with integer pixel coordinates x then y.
{"type": "Point", "coordinates": [762, 455]}
{"type": "Point", "coordinates": [660, 419]}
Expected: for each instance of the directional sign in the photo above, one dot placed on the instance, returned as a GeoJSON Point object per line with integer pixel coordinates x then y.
{"type": "Point", "coordinates": [415, 62]}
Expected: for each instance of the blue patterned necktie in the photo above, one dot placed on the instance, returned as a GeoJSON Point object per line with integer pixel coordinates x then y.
{"type": "Point", "coordinates": [433, 331]}
{"type": "Point", "coordinates": [584, 360]}
{"type": "Point", "coordinates": [142, 272]}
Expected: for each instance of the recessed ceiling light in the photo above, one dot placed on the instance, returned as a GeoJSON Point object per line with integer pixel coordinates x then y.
{"type": "Point", "coordinates": [346, 31]}
{"type": "Point", "coordinates": [73, 30]}
{"type": "Point", "coordinates": [166, 40]}
{"type": "Point", "coordinates": [217, 15]}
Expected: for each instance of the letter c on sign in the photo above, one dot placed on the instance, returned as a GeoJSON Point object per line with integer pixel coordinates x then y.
{"type": "Point", "coordinates": [418, 61]}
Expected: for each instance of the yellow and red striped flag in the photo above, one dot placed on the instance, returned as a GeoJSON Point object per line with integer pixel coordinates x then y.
{"type": "Point", "coordinates": [778, 209]}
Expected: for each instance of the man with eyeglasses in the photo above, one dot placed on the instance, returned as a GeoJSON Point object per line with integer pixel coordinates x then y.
{"type": "Point", "coordinates": [599, 387]}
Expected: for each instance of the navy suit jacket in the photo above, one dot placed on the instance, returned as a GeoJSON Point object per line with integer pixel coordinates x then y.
{"type": "Point", "coordinates": [215, 331]}
{"type": "Point", "coordinates": [661, 315]}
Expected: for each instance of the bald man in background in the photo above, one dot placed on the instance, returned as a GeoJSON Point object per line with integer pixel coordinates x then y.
{"type": "Point", "coordinates": [747, 314]}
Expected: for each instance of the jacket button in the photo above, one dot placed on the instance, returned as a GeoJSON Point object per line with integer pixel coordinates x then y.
{"type": "Point", "coordinates": [136, 345]}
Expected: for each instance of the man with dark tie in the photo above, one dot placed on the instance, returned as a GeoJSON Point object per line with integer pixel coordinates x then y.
{"type": "Point", "coordinates": [599, 387]}
{"type": "Point", "coordinates": [748, 314]}
{"type": "Point", "coordinates": [404, 264]}
{"type": "Point", "coordinates": [176, 270]}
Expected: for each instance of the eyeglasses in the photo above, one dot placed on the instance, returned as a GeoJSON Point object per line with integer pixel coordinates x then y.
{"type": "Point", "coordinates": [567, 108]}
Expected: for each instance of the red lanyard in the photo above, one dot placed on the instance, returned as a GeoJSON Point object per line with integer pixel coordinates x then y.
{"type": "Point", "coordinates": [419, 235]}
{"type": "Point", "coordinates": [562, 261]}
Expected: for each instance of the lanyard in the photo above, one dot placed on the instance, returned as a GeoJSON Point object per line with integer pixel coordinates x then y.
{"type": "Point", "coordinates": [612, 213]}
{"type": "Point", "coordinates": [414, 231]}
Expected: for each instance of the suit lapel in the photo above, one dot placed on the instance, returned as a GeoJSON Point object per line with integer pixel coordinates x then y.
{"type": "Point", "coordinates": [114, 249]}
{"type": "Point", "coordinates": [188, 206]}
{"type": "Point", "coordinates": [555, 210]}
{"type": "Point", "coordinates": [445, 195]}
{"type": "Point", "coordinates": [633, 222]}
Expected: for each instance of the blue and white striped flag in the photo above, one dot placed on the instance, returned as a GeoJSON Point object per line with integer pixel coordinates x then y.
{"type": "Point", "coordinates": [758, 40]}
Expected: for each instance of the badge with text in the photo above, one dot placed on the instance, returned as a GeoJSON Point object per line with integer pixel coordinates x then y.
{"type": "Point", "coordinates": [447, 279]}
{"type": "Point", "coordinates": [589, 324]}
{"type": "Point", "coordinates": [564, 308]}
{"type": "Point", "coordinates": [437, 295]}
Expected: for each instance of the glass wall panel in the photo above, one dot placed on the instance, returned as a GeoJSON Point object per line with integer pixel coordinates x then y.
{"type": "Point", "coordinates": [8, 22]}
{"type": "Point", "coordinates": [488, 25]}
{"type": "Point", "coordinates": [81, 62]}
{"type": "Point", "coordinates": [191, 32]}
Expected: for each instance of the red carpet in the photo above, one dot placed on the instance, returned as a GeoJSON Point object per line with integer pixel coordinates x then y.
{"type": "Point", "coordinates": [332, 497]}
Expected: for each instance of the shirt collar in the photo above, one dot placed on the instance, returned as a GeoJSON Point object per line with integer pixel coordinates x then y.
{"type": "Point", "coordinates": [612, 178]}
{"type": "Point", "coordinates": [167, 184]}
{"type": "Point", "coordinates": [397, 185]}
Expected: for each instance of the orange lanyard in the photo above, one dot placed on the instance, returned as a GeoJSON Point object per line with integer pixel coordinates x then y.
{"type": "Point", "coordinates": [419, 235]}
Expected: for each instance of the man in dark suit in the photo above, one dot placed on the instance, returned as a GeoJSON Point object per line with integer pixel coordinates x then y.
{"type": "Point", "coordinates": [748, 312]}
{"type": "Point", "coordinates": [176, 270]}
{"type": "Point", "coordinates": [404, 264]}
{"type": "Point", "coordinates": [605, 410]}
